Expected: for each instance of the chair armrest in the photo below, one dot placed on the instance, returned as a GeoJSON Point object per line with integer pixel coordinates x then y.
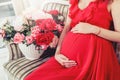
{"type": "Point", "coordinates": [14, 51]}
{"type": "Point", "coordinates": [61, 7]}
{"type": "Point", "coordinates": [118, 51]}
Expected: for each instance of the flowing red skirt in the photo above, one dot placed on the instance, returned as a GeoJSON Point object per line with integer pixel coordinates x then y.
{"type": "Point", "coordinates": [95, 57]}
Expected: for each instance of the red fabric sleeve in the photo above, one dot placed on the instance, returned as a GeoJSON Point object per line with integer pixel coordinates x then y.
{"type": "Point", "coordinates": [72, 3]}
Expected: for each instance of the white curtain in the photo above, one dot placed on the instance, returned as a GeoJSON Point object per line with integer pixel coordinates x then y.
{"type": "Point", "coordinates": [21, 5]}
{"type": "Point", "coordinates": [18, 6]}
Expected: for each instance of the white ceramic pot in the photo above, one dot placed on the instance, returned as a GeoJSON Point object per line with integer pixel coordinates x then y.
{"type": "Point", "coordinates": [30, 52]}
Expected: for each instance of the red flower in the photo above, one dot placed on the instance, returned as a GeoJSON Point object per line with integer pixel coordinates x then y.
{"type": "Point", "coordinates": [50, 24]}
{"type": "Point", "coordinates": [59, 27]}
{"type": "Point", "coordinates": [46, 24]}
{"type": "Point", "coordinates": [53, 12]}
{"type": "Point", "coordinates": [44, 38]}
{"type": "Point", "coordinates": [39, 21]}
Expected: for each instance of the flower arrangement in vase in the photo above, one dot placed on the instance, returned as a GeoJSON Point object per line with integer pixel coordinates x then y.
{"type": "Point", "coordinates": [38, 33]}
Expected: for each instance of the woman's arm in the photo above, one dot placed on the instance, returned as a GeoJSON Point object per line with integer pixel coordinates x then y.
{"type": "Point", "coordinates": [60, 58]}
{"type": "Point", "coordinates": [113, 35]}
{"type": "Point", "coordinates": [65, 30]}
{"type": "Point", "coordinates": [86, 28]}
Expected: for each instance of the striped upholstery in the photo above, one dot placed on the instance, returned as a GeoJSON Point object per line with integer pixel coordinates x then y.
{"type": "Point", "coordinates": [14, 51]}
{"type": "Point", "coordinates": [18, 66]}
{"type": "Point", "coordinates": [62, 8]}
{"type": "Point", "coordinates": [118, 51]}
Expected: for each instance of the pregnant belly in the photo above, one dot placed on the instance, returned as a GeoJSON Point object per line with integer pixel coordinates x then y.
{"type": "Point", "coordinates": [73, 39]}
{"type": "Point", "coordinates": [74, 44]}
{"type": "Point", "coordinates": [79, 47]}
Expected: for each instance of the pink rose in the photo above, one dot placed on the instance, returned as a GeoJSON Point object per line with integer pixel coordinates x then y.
{"type": "Point", "coordinates": [44, 47]}
{"type": "Point", "coordinates": [29, 39]}
{"type": "Point", "coordinates": [59, 27]}
{"type": "Point", "coordinates": [2, 33]}
{"type": "Point", "coordinates": [18, 38]}
{"type": "Point", "coordinates": [34, 31]}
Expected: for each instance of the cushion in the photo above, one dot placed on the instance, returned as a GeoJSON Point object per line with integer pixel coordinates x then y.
{"type": "Point", "coordinates": [21, 67]}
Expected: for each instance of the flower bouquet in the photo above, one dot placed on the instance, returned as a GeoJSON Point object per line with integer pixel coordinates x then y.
{"type": "Point", "coordinates": [38, 33]}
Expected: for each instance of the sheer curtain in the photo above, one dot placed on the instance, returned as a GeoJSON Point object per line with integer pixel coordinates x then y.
{"type": "Point", "coordinates": [40, 3]}
{"type": "Point", "coordinates": [18, 6]}
{"type": "Point", "coordinates": [21, 5]}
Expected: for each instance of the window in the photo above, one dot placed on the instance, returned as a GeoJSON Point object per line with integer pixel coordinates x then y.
{"type": "Point", "coordinates": [6, 8]}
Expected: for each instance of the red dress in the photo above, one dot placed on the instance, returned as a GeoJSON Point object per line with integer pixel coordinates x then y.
{"type": "Point", "coordinates": [95, 56]}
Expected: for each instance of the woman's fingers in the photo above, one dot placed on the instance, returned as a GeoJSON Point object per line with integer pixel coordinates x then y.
{"type": "Point", "coordinates": [69, 63]}
{"type": "Point", "coordinates": [64, 61]}
{"type": "Point", "coordinates": [84, 28]}
{"type": "Point", "coordinates": [75, 30]}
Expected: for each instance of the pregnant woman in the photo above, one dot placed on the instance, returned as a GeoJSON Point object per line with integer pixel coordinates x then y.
{"type": "Point", "coordinates": [85, 51]}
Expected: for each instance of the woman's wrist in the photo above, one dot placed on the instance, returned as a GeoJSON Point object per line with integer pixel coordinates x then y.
{"type": "Point", "coordinates": [96, 30]}
{"type": "Point", "coordinates": [57, 51]}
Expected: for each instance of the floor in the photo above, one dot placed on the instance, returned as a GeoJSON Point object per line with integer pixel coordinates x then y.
{"type": "Point", "coordinates": [3, 59]}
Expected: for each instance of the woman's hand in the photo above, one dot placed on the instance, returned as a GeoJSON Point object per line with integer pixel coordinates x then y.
{"type": "Point", "coordinates": [85, 28]}
{"type": "Point", "coordinates": [64, 61]}
{"type": "Point", "coordinates": [54, 42]}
